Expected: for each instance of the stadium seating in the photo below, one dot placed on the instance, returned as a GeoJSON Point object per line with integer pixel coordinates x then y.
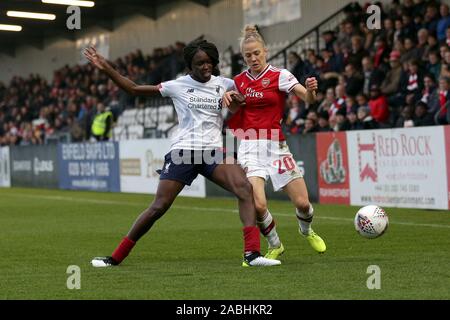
{"type": "Point", "coordinates": [133, 123]}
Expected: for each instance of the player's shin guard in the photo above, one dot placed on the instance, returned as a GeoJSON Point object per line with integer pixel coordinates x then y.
{"type": "Point", "coordinates": [251, 240]}
{"type": "Point", "coordinates": [123, 250]}
{"type": "Point", "coordinates": [305, 220]}
{"type": "Point", "coordinates": [267, 226]}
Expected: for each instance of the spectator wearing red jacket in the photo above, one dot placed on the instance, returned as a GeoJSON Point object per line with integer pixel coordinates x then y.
{"type": "Point", "coordinates": [378, 104]}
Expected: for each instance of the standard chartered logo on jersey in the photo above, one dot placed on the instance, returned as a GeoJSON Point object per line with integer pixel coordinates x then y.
{"type": "Point", "coordinates": [204, 103]}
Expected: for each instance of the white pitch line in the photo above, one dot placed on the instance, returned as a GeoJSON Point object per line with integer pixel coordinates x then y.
{"type": "Point", "coordinates": [140, 204]}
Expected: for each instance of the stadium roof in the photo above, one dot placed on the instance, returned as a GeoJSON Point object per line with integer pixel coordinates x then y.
{"type": "Point", "coordinates": [102, 14]}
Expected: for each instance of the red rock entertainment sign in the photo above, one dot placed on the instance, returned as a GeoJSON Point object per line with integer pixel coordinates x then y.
{"type": "Point", "coordinates": [399, 168]}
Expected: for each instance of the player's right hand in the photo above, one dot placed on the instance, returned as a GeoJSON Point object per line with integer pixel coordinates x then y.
{"type": "Point", "coordinates": [95, 58]}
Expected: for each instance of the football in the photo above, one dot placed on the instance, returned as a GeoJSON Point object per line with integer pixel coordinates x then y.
{"type": "Point", "coordinates": [371, 221]}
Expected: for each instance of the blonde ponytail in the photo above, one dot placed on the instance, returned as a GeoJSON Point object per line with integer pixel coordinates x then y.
{"type": "Point", "coordinates": [250, 33]}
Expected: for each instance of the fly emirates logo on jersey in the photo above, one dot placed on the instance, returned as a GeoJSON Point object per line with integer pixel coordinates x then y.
{"type": "Point", "coordinates": [252, 93]}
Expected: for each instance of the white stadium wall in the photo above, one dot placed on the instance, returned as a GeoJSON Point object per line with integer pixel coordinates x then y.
{"type": "Point", "coordinates": [221, 23]}
{"type": "Point", "coordinates": [57, 53]}
{"type": "Point", "coordinates": [183, 21]}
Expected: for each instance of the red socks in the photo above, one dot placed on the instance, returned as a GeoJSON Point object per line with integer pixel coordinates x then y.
{"type": "Point", "coordinates": [251, 244]}
{"type": "Point", "coordinates": [123, 250]}
{"type": "Point", "coordinates": [251, 239]}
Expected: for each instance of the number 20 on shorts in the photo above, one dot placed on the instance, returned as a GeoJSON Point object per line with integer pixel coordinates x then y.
{"type": "Point", "coordinates": [288, 163]}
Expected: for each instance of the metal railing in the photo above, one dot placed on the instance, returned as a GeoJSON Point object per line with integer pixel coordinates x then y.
{"type": "Point", "coordinates": [312, 38]}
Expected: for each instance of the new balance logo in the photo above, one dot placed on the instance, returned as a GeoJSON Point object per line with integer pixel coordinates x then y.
{"type": "Point", "coordinates": [190, 91]}
{"type": "Point", "coordinates": [166, 170]}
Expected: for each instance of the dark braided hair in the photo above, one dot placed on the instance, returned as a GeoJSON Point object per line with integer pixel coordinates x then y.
{"type": "Point", "coordinates": [192, 48]}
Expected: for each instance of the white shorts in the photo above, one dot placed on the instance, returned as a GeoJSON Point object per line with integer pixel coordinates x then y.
{"type": "Point", "coordinates": [266, 158]}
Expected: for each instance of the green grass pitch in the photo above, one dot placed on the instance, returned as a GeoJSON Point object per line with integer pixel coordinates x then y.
{"type": "Point", "coordinates": [194, 251]}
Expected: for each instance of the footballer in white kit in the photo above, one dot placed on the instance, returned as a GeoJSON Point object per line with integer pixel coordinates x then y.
{"type": "Point", "coordinates": [199, 110]}
{"type": "Point", "coordinates": [196, 148]}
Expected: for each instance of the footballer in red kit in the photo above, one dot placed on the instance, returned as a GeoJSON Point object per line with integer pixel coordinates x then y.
{"type": "Point", "coordinates": [265, 97]}
{"type": "Point", "coordinates": [258, 107]}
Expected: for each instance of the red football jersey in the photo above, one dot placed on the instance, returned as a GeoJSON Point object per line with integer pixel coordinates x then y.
{"type": "Point", "coordinates": [265, 97]}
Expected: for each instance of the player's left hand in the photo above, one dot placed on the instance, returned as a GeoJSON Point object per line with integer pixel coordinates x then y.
{"type": "Point", "coordinates": [231, 97]}
{"type": "Point", "coordinates": [312, 84]}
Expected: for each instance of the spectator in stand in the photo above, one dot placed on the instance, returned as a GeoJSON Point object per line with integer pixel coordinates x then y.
{"type": "Point", "coordinates": [339, 102]}
{"type": "Point", "coordinates": [313, 115]}
{"type": "Point", "coordinates": [357, 53]}
{"type": "Point", "coordinates": [329, 38]}
{"type": "Point", "coordinates": [365, 120]}
{"type": "Point", "coordinates": [342, 123]}
{"type": "Point", "coordinates": [432, 45]}
{"type": "Point", "coordinates": [431, 17]}
{"type": "Point", "coordinates": [381, 59]}
{"type": "Point", "coordinates": [378, 105]}
{"type": "Point", "coordinates": [298, 67]}
{"type": "Point", "coordinates": [447, 37]}
{"type": "Point", "coordinates": [441, 103]}
{"type": "Point", "coordinates": [309, 127]}
{"type": "Point", "coordinates": [443, 23]}
{"type": "Point", "coordinates": [429, 90]}
{"type": "Point", "coordinates": [352, 120]}
{"type": "Point", "coordinates": [409, 28]}
{"type": "Point", "coordinates": [350, 105]}
{"type": "Point", "coordinates": [405, 120]}
{"type": "Point", "coordinates": [338, 59]}
{"type": "Point", "coordinates": [372, 75]}
{"type": "Point", "coordinates": [323, 122]}
{"type": "Point", "coordinates": [391, 82]}
{"type": "Point", "coordinates": [422, 43]}
{"type": "Point", "coordinates": [422, 116]}
{"type": "Point", "coordinates": [411, 84]}
{"type": "Point", "coordinates": [443, 49]}
{"type": "Point", "coordinates": [399, 33]}
{"type": "Point", "coordinates": [328, 101]}
{"type": "Point", "coordinates": [445, 65]}
{"type": "Point", "coordinates": [388, 32]}
{"type": "Point", "coordinates": [362, 101]}
{"type": "Point", "coordinates": [411, 52]}
{"type": "Point", "coordinates": [434, 64]}
{"type": "Point", "coordinates": [354, 80]}
{"type": "Point", "coordinates": [347, 31]}
{"type": "Point", "coordinates": [368, 36]}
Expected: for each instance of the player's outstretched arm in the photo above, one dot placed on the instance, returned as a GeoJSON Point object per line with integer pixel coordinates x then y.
{"type": "Point", "coordinates": [233, 101]}
{"type": "Point", "coordinates": [124, 83]}
{"type": "Point", "coordinates": [308, 93]}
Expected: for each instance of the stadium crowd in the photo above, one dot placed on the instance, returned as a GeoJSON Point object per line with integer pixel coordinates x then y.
{"type": "Point", "coordinates": [32, 110]}
{"type": "Point", "coordinates": [396, 76]}
{"type": "Point", "coordinates": [393, 77]}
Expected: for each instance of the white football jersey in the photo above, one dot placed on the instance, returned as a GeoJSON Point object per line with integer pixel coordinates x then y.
{"type": "Point", "coordinates": [199, 109]}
